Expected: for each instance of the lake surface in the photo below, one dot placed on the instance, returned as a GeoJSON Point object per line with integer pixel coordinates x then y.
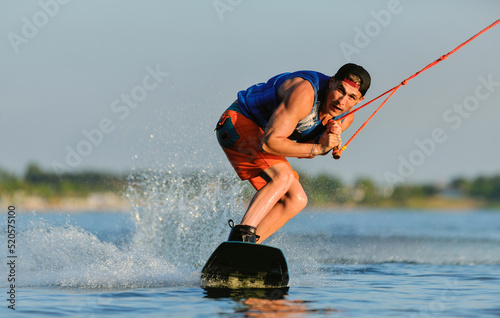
{"type": "Point", "coordinates": [350, 263]}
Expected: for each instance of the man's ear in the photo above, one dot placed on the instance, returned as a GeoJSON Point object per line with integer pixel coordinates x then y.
{"type": "Point", "coordinates": [332, 80]}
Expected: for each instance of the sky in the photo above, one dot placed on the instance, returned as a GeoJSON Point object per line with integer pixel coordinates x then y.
{"type": "Point", "coordinates": [118, 85]}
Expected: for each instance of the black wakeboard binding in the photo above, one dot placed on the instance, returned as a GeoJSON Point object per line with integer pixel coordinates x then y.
{"type": "Point", "coordinates": [242, 233]}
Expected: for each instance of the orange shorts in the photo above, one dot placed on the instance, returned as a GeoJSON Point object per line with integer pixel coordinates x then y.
{"type": "Point", "coordinates": [240, 139]}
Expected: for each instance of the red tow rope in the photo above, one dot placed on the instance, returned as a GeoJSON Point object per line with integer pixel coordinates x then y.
{"type": "Point", "coordinates": [337, 153]}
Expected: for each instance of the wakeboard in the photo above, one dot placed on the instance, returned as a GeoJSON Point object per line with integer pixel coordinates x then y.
{"type": "Point", "coordinates": [237, 265]}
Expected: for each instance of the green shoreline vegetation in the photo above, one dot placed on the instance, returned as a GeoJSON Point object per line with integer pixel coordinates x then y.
{"type": "Point", "coordinates": [46, 190]}
{"type": "Point", "coordinates": [41, 190]}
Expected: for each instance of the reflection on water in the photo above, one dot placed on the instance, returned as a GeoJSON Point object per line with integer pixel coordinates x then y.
{"type": "Point", "coordinates": [257, 307]}
{"type": "Point", "coordinates": [244, 293]}
{"type": "Point", "coordinates": [266, 302]}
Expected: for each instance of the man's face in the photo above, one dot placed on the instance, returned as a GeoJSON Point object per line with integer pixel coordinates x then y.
{"type": "Point", "coordinates": [341, 97]}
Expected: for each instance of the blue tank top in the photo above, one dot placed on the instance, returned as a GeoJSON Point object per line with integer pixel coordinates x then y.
{"type": "Point", "coordinates": [259, 102]}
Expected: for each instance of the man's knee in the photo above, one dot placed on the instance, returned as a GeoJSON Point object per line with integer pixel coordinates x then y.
{"type": "Point", "coordinates": [286, 178]}
{"type": "Point", "coordinates": [298, 200]}
{"type": "Point", "coordinates": [281, 176]}
{"type": "Point", "coordinates": [294, 201]}
{"type": "Point", "coordinates": [301, 200]}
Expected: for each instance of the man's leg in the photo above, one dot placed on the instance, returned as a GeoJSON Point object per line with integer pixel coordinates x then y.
{"type": "Point", "coordinates": [281, 197]}
{"type": "Point", "coordinates": [277, 202]}
{"type": "Point", "coordinates": [294, 201]}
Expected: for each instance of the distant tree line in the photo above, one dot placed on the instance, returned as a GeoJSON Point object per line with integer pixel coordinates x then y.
{"type": "Point", "coordinates": [322, 189]}
{"type": "Point", "coordinates": [36, 181]}
{"type": "Point", "coordinates": [325, 189]}
{"type": "Point", "coordinates": [487, 188]}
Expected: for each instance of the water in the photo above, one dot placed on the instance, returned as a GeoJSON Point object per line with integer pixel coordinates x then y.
{"type": "Point", "coordinates": [349, 263]}
{"type": "Point", "coordinates": [147, 263]}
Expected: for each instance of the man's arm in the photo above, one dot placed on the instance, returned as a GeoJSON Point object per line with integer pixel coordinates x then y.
{"type": "Point", "coordinates": [297, 103]}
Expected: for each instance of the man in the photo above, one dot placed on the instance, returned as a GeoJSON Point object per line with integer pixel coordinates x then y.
{"type": "Point", "coordinates": [292, 115]}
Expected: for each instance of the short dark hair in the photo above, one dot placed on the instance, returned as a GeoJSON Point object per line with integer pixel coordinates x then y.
{"type": "Point", "coordinates": [355, 73]}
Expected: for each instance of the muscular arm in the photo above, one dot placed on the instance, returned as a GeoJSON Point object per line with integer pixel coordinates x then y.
{"type": "Point", "coordinates": [297, 103]}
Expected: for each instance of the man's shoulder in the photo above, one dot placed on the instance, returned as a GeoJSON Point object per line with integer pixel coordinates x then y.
{"type": "Point", "coordinates": [305, 82]}
{"type": "Point", "coordinates": [308, 74]}
{"type": "Point", "coordinates": [297, 85]}
{"type": "Point", "coordinates": [316, 79]}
